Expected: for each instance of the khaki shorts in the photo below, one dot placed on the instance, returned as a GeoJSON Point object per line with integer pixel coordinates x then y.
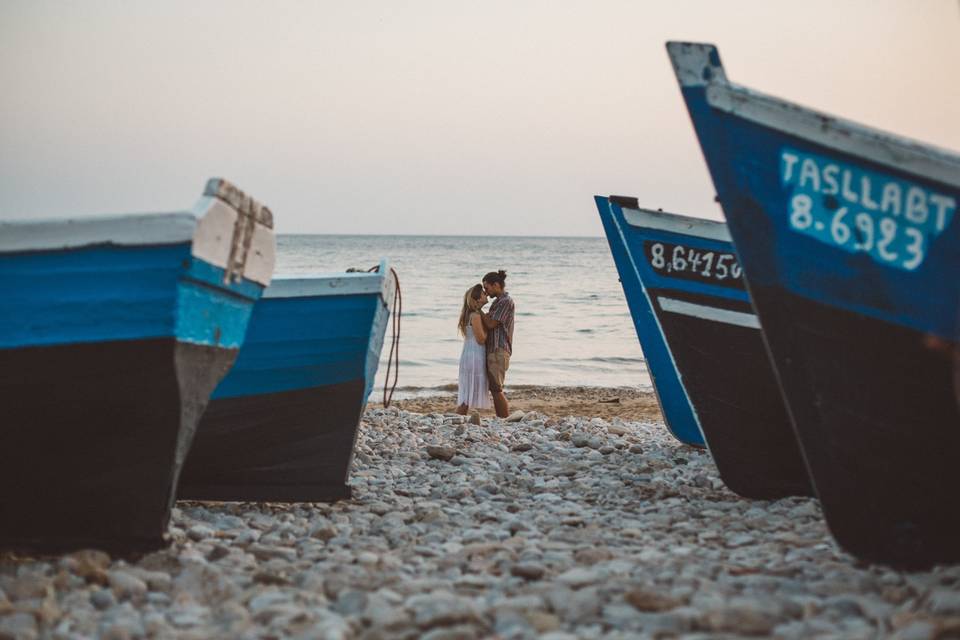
{"type": "Point", "coordinates": [497, 364]}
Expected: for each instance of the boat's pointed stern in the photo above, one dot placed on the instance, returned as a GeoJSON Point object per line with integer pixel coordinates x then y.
{"type": "Point", "coordinates": [696, 64]}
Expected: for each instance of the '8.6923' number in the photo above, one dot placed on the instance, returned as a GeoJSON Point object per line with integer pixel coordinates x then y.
{"type": "Point", "coordinates": [867, 234]}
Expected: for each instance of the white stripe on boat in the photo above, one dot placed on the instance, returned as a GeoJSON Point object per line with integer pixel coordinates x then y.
{"type": "Point", "coordinates": [674, 223]}
{"type": "Point", "coordinates": [691, 60]}
{"type": "Point", "coordinates": [704, 312]}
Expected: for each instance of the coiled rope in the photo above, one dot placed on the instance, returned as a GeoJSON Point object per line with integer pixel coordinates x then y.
{"type": "Point", "coordinates": [393, 359]}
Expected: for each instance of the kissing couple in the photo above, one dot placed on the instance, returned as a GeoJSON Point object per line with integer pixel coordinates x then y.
{"type": "Point", "coordinates": [487, 345]}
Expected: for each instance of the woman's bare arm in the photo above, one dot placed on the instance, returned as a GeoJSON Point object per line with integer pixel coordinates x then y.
{"type": "Point", "coordinates": [479, 333]}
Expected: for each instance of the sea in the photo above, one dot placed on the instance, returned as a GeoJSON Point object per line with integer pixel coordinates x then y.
{"type": "Point", "coordinates": [572, 325]}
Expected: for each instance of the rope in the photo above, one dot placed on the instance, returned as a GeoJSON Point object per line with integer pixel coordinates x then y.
{"type": "Point", "coordinates": [393, 359]}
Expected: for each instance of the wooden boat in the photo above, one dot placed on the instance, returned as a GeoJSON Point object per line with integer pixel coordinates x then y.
{"type": "Point", "coordinates": [282, 425]}
{"type": "Point", "coordinates": [113, 334]}
{"type": "Point", "coordinates": [678, 415]}
{"type": "Point", "coordinates": [851, 250]}
{"type": "Point", "coordinates": [692, 282]}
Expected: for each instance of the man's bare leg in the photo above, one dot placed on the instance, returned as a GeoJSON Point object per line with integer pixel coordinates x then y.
{"type": "Point", "coordinates": [500, 404]}
{"type": "Point", "coordinates": [462, 409]}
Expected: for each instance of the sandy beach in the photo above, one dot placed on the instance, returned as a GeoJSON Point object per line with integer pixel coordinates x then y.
{"type": "Point", "coordinates": [599, 402]}
{"type": "Point", "coordinates": [573, 522]}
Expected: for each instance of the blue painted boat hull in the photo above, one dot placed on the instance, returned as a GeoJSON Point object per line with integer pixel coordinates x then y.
{"type": "Point", "coordinates": [282, 426]}
{"type": "Point", "coordinates": [716, 348]}
{"type": "Point", "coordinates": [108, 356]}
{"type": "Point", "coordinates": [677, 413]}
{"type": "Point", "coordinates": [857, 292]}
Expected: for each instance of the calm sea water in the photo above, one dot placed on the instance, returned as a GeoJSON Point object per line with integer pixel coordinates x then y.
{"type": "Point", "coordinates": [572, 325]}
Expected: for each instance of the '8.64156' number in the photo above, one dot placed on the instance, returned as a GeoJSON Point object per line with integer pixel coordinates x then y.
{"type": "Point", "coordinates": [680, 260]}
{"type": "Point", "coordinates": [885, 238]}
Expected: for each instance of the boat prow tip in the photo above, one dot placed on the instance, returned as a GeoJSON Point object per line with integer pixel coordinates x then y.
{"type": "Point", "coordinates": [696, 64]}
{"type": "Point", "coordinates": [234, 231]}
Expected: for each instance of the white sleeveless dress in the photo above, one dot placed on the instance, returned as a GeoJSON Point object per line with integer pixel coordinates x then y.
{"type": "Point", "coordinates": [473, 390]}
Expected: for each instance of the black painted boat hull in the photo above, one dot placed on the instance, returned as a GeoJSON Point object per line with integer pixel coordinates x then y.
{"type": "Point", "coordinates": [108, 426]}
{"type": "Point", "coordinates": [730, 381]}
{"type": "Point", "coordinates": [883, 493]}
{"type": "Point", "coordinates": [292, 446]}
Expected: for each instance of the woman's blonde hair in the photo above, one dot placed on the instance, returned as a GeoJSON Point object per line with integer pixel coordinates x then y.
{"type": "Point", "coordinates": [471, 303]}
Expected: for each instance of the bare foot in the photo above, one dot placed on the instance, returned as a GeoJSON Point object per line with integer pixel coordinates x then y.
{"type": "Point", "coordinates": [500, 404]}
{"type": "Point", "coordinates": [462, 409]}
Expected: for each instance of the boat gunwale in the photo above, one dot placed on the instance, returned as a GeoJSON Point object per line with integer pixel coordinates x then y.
{"type": "Point", "coordinates": [125, 229]}
{"type": "Point", "coordinates": [289, 286]}
{"type": "Point", "coordinates": [900, 153]}
{"type": "Point", "coordinates": [675, 223]}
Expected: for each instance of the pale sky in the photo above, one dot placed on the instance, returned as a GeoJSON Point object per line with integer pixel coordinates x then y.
{"type": "Point", "coordinates": [449, 117]}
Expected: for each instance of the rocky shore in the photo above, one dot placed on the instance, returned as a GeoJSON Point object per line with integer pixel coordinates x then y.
{"type": "Point", "coordinates": [549, 526]}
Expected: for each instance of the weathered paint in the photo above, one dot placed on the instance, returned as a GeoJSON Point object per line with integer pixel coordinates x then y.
{"type": "Point", "coordinates": [113, 334]}
{"type": "Point", "coordinates": [750, 168]}
{"type": "Point", "coordinates": [861, 335]}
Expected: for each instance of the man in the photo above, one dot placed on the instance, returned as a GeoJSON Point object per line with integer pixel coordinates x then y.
{"type": "Point", "coordinates": [499, 325]}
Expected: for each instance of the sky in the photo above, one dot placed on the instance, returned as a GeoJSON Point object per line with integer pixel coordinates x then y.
{"type": "Point", "coordinates": [454, 117]}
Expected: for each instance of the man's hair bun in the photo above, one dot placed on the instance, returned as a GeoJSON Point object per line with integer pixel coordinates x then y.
{"type": "Point", "coordinates": [496, 276]}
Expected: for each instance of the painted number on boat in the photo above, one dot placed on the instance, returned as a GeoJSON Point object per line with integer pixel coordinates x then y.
{"type": "Point", "coordinates": [691, 263]}
{"type": "Point", "coordinates": [863, 211]}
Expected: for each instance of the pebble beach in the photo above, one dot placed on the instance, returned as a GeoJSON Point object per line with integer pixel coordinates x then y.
{"type": "Point", "coordinates": [581, 517]}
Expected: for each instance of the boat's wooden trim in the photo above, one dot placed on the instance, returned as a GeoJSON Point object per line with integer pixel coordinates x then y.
{"type": "Point", "coordinates": [674, 223]}
{"type": "Point", "coordinates": [334, 284]}
{"type": "Point", "coordinates": [698, 65]}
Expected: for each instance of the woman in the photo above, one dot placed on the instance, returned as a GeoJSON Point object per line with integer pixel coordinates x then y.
{"type": "Point", "coordinates": [473, 391]}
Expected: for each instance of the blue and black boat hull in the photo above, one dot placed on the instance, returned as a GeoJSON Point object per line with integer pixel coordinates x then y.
{"type": "Point", "coordinates": [678, 415]}
{"type": "Point", "coordinates": [114, 333]}
{"type": "Point", "coordinates": [851, 248]}
{"type": "Point", "coordinates": [716, 348]}
{"type": "Point", "coordinates": [282, 426]}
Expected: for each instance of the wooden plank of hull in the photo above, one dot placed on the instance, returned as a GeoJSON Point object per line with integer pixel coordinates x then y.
{"type": "Point", "coordinates": [94, 438]}
{"type": "Point", "coordinates": [731, 383]}
{"type": "Point", "coordinates": [677, 413]}
{"type": "Point", "coordinates": [292, 446]}
{"type": "Point", "coordinates": [850, 303]}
